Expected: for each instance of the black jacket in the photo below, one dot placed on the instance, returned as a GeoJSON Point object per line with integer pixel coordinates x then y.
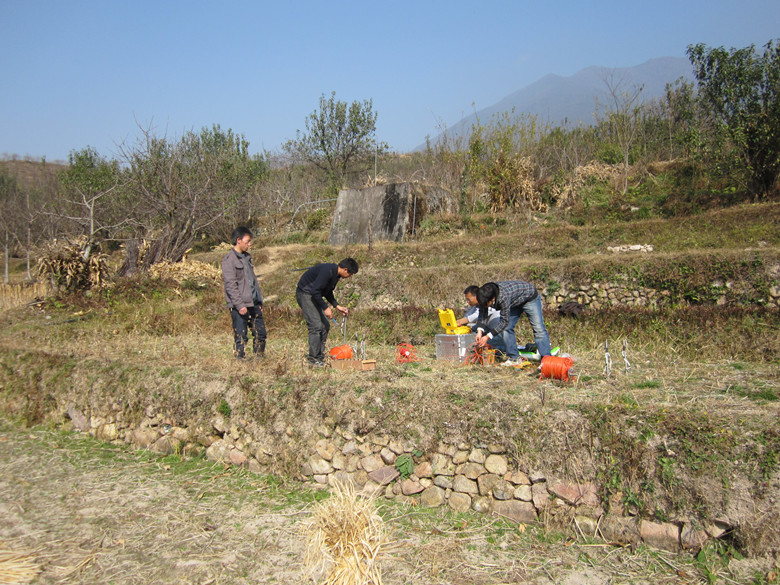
{"type": "Point", "coordinates": [319, 281]}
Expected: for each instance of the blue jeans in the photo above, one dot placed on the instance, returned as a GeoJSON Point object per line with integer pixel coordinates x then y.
{"type": "Point", "coordinates": [532, 310]}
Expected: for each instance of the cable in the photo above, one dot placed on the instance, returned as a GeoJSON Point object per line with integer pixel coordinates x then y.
{"type": "Point", "coordinates": [556, 367]}
{"type": "Point", "coordinates": [405, 353]}
{"type": "Point", "coordinates": [481, 355]}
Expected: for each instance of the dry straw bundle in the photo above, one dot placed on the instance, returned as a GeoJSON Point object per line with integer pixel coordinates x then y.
{"type": "Point", "coordinates": [344, 537]}
{"type": "Point", "coordinates": [16, 567]}
{"type": "Point", "coordinates": [187, 269]}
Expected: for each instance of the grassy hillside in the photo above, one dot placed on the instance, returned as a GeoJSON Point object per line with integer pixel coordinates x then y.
{"type": "Point", "coordinates": [685, 427]}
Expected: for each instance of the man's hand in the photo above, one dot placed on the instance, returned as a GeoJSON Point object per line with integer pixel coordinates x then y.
{"type": "Point", "coordinates": [328, 313]}
{"type": "Point", "coordinates": [242, 311]}
{"type": "Point", "coordinates": [481, 340]}
{"type": "Point", "coordinates": [344, 310]}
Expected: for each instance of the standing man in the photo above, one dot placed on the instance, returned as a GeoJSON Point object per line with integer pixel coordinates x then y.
{"type": "Point", "coordinates": [243, 296]}
{"type": "Point", "coordinates": [512, 298]}
{"type": "Point", "coordinates": [314, 292]}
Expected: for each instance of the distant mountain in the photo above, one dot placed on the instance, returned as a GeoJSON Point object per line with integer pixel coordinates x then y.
{"type": "Point", "coordinates": [572, 100]}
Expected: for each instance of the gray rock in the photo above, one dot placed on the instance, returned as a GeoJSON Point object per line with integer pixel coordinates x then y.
{"type": "Point", "coordinates": [464, 485]}
{"type": "Point", "coordinates": [620, 530]}
{"type": "Point", "coordinates": [477, 456]}
{"type": "Point", "coordinates": [320, 466]}
{"type": "Point", "coordinates": [503, 490]}
{"type": "Point", "coordinates": [540, 496]}
{"type": "Point", "coordinates": [423, 469]}
{"type": "Point", "coordinates": [441, 465]}
{"type": "Point", "coordinates": [219, 451]}
{"type": "Point", "coordinates": [481, 504]}
{"type": "Point", "coordinates": [515, 510]}
{"type": "Point", "coordinates": [371, 463]}
{"type": "Point", "coordinates": [485, 482]}
{"type": "Point", "coordinates": [524, 493]}
{"type": "Point", "coordinates": [78, 419]}
{"type": "Point", "coordinates": [496, 464]}
{"type": "Point", "coordinates": [384, 475]}
{"type": "Point", "coordinates": [459, 502]}
{"type": "Point", "coordinates": [443, 481]}
{"type": "Point", "coordinates": [325, 449]}
{"type": "Point", "coordinates": [472, 470]}
{"type": "Point", "coordinates": [692, 538]}
{"type": "Point", "coordinates": [432, 497]}
{"type": "Point", "coordinates": [388, 456]}
{"type": "Point", "coordinates": [460, 457]}
{"type": "Point", "coordinates": [339, 461]}
{"type": "Point", "coordinates": [517, 477]}
{"type": "Point", "coordinates": [410, 487]}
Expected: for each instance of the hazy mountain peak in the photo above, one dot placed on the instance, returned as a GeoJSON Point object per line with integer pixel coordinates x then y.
{"type": "Point", "coordinates": [554, 99]}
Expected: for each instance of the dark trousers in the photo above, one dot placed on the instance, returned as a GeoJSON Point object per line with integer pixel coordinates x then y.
{"type": "Point", "coordinates": [242, 324]}
{"type": "Point", "coordinates": [317, 323]}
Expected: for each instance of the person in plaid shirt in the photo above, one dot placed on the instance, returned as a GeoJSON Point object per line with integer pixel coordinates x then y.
{"type": "Point", "coordinates": [512, 298]}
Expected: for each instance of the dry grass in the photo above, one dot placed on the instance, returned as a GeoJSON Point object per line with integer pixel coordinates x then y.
{"type": "Point", "coordinates": [16, 567]}
{"type": "Point", "coordinates": [19, 294]}
{"type": "Point", "coordinates": [345, 537]}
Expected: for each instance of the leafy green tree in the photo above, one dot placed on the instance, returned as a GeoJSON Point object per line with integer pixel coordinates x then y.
{"type": "Point", "coordinates": [338, 138]}
{"type": "Point", "coordinates": [741, 91]}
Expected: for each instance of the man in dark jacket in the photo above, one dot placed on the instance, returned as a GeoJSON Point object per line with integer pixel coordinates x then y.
{"type": "Point", "coordinates": [314, 292]}
{"type": "Point", "coordinates": [242, 294]}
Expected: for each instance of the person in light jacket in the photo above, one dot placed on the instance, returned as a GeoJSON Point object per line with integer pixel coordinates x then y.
{"type": "Point", "coordinates": [243, 296]}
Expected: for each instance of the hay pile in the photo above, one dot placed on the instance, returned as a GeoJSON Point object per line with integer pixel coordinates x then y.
{"type": "Point", "coordinates": [186, 270]}
{"type": "Point", "coordinates": [344, 537]}
{"type": "Point", "coordinates": [16, 567]}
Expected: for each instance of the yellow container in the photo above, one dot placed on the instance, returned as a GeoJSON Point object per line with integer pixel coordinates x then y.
{"type": "Point", "coordinates": [447, 320]}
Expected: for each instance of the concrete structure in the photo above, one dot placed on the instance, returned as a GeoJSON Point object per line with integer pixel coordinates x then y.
{"type": "Point", "coordinates": [385, 212]}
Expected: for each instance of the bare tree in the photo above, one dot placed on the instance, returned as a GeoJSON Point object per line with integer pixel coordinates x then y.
{"type": "Point", "coordinates": [176, 190]}
{"type": "Point", "coordinates": [622, 119]}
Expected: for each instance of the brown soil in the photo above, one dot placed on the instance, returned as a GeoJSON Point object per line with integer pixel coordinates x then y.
{"type": "Point", "coordinates": [90, 512]}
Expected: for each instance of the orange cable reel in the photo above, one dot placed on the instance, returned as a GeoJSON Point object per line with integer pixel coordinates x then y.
{"type": "Point", "coordinates": [558, 368]}
{"type": "Point", "coordinates": [406, 353]}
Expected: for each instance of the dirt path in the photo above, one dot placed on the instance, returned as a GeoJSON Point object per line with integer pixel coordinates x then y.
{"type": "Point", "coordinates": [89, 512]}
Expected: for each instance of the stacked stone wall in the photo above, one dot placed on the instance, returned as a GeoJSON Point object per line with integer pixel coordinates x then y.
{"type": "Point", "coordinates": [463, 477]}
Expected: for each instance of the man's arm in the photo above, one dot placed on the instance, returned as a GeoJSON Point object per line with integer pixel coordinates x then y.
{"type": "Point", "coordinates": [231, 283]}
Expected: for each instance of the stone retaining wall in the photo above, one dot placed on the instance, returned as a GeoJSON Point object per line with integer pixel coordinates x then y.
{"type": "Point", "coordinates": [463, 477]}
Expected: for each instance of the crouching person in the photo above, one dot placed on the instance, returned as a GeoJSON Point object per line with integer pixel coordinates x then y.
{"type": "Point", "coordinates": [243, 296]}
{"type": "Point", "coordinates": [513, 298]}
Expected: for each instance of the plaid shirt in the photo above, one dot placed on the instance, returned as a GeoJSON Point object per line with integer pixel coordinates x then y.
{"type": "Point", "coordinates": [511, 293]}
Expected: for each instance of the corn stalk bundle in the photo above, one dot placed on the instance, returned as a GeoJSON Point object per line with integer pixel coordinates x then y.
{"type": "Point", "coordinates": [186, 270]}
{"type": "Point", "coordinates": [63, 263]}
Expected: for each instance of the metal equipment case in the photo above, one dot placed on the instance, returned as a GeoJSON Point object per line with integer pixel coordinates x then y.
{"type": "Point", "coordinates": [453, 347]}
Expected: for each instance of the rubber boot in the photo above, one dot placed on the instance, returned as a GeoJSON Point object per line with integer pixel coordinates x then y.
{"type": "Point", "coordinates": [260, 349]}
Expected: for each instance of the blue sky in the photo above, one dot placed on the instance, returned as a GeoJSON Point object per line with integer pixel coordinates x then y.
{"type": "Point", "coordinates": [81, 73]}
